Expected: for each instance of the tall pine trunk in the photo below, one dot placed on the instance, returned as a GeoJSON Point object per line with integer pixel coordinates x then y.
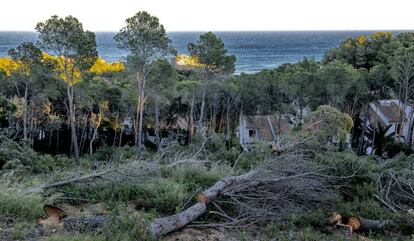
{"type": "Point", "coordinates": [410, 128]}
{"type": "Point", "coordinates": [72, 120]}
{"type": "Point", "coordinates": [228, 134]}
{"type": "Point", "coordinates": [191, 122]}
{"type": "Point", "coordinates": [141, 114]}
{"type": "Point", "coordinates": [364, 128]}
{"type": "Point", "coordinates": [203, 103]}
{"type": "Point", "coordinates": [25, 116]}
{"type": "Point", "coordinates": [157, 124]}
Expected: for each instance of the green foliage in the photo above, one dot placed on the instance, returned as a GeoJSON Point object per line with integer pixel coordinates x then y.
{"type": "Point", "coordinates": [212, 53]}
{"type": "Point", "coordinates": [367, 208]}
{"type": "Point", "coordinates": [251, 159]}
{"type": "Point", "coordinates": [6, 107]}
{"type": "Point", "coordinates": [380, 139]}
{"type": "Point", "coordinates": [65, 37]}
{"type": "Point", "coordinates": [336, 78]}
{"type": "Point", "coordinates": [22, 207]}
{"type": "Point", "coordinates": [73, 237]}
{"type": "Point", "coordinates": [194, 178]}
{"type": "Point", "coordinates": [145, 38]}
{"type": "Point", "coordinates": [28, 54]}
{"type": "Point", "coordinates": [364, 51]}
{"type": "Point", "coordinates": [111, 154]}
{"type": "Point", "coordinates": [327, 123]}
{"type": "Point", "coordinates": [162, 195]}
{"type": "Point", "coordinates": [123, 226]}
{"type": "Point", "coordinates": [127, 227]}
{"type": "Point", "coordinates": [316, 219]}
{"type": "Point", "coordinates": [344, 164]}
{"type": "Point", "coordinates": [20, 157]}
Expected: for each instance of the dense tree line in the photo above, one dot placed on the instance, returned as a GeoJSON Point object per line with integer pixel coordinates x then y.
{"type": "Point", "coordinates": [60, 97]}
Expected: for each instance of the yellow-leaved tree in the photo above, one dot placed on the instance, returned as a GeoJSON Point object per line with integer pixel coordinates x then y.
{"type": "Point", "coordinates": [8, 66]}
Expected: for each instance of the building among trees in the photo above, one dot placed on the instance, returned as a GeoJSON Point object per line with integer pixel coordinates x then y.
{"type": "Point", "coordinates": [392, 113]}
{"type": "Point", "coordinates": [261, 128]}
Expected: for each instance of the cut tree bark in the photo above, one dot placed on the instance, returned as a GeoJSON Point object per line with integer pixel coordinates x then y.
{"type": "Point", "coordinates": [357, 223]}
{"type": "Point", "coordinates": [374, 225]}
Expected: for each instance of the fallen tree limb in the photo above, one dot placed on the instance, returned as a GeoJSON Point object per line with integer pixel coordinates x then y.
{"type": "Point", "coordinates": [69, 181]}
{"type": "Point", "coordinates": [374, 225]}
{"type": "Point", "coordinates": [134, 171]}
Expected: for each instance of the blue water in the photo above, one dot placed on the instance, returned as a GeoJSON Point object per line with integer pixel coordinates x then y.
{"type": "Point", "coordinates": [254, 50]}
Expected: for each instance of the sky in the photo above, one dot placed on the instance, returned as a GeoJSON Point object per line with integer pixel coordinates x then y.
{"type": "Point", "coordinates": [217, 15]}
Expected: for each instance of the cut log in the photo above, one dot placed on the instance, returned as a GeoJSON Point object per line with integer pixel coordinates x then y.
{"type": "Point", "coordinates": [52, 211]}
{"type": "Point", "coordinates": [374, 225]}
{"type": "Point", "coordinates": [165, 225]}
{"type": "Point", "coordinates": [162, 226]}
{"type": "Point", "coordinates": [357, 223]}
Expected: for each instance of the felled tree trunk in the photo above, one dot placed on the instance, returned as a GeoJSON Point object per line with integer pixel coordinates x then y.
{"type": "Point", "coordinates": [165, 225]}
{"type": "Point", "coordinates": [374, 225]}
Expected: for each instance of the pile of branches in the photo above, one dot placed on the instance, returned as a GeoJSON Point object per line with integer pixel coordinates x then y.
{"type": "Point", "coordinates": [282, 185]}
{"type": "Point", "coordinates": [395, 190]}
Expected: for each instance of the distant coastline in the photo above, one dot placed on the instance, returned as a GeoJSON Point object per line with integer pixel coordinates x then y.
{"type": "Point", "coordinates": [255, 50]}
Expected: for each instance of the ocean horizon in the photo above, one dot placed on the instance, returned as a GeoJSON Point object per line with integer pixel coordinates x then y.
{"type": "Point", "coordinates": [254, 50]}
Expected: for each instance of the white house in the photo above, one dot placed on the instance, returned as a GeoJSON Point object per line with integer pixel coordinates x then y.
{"type": "Point", "coordinates": [392, 112]}
{"type": "Point", "coordinates": [261, 128]}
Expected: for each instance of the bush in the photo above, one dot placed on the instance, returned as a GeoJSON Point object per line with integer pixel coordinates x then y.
{"type": "Point", "coordinates": [163, 195]}
{"type": "Point", "coordinates": [20, 157]}
{"type": "Point", "coordinates": [113, 154]}
{"type": "Point", "coordinates": [194, 178]}
{"type": "Point", "coordinates": [73, 237]}
{"type": "Point", "coordinates": [317, 219]}
{"type": "Point", "coordinates": [251, 159]}
{"type": "Point", "coordinates": [367, 208]}
{"type": "Point", "coordinates": [11, 151]}
{"type": "Point", "coordinates": [392, 149]}
{"type": "Point", "coordinates": [127, 227]}
{"type": "Point", "coordinates": [20, 207]}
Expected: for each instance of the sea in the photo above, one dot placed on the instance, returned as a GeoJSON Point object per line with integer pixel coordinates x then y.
{"type": "Point", "coordinates": [254, 51]}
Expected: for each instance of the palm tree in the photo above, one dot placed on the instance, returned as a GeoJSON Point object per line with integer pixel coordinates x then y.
{"type": "Point", "coordinates": [379, 137]}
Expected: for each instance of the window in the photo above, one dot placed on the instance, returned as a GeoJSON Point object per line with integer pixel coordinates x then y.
{"type": "Point", "coordinates": [252, 133]}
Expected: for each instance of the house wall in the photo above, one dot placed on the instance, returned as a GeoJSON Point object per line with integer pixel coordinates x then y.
{"type": "Point", "coordinates": [405, 130]}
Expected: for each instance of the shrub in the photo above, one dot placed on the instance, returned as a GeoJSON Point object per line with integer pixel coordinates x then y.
{"type": "Point", "coordinates": [20, 207]}
{"type": "Point", "coordinates": [251, 159]}
{"type": "Point", "coordinates": [194, 178]}
{"type": "Point", "coordinates": [20, 157]}
{"type": "Point", "coordinates": [393, 149]}
{"type": "Point", "coordinates": [317, 219]}
{"type": "Point", "coordinates": [127, 227]}
{"type": "Point", "coordinates": [112, 154]}
{"type": "Point", "coordinates": [73, 237]}
{"type": "Point", "coordinates": [367, 208]}
{"type": "Point", "coordinates": [163, 195]}
{"type": "Point", "coordinates": [11, 151]}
